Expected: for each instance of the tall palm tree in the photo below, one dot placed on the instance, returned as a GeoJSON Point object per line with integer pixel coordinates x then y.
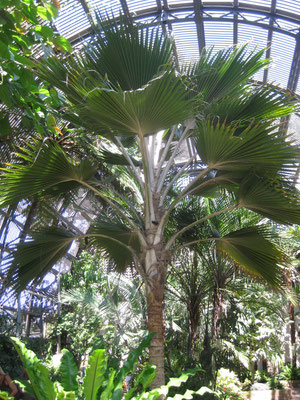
{"type": "Point", "coordinates": [144, 114]}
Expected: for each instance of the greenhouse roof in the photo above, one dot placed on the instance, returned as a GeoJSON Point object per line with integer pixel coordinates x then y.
{"type": "Point", "coordinates": [270, 24]}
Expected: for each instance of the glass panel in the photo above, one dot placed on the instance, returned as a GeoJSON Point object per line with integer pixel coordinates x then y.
{"type": "Point", "coordinates": [136, 5]}
{"type": "Point", "coordinates": [257, 38]}
{"type": "Point", "coordinates": [218, 34]}
{"type": "Point", "coordinates": [185, 34]}
{"type": "Point", "coordinates": [106, 8]}
{"type": "Point", "coordinates": [292, 6]}
{"type": "Point", "coordinates": [282, 52]}
{"type": "Point", "coordinates": [72, 19]}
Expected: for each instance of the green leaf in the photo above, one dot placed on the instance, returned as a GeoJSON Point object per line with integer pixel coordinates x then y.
{"type": "Point", "coordinates": [129, 365]}
{"type": "Point", "coordinates": [5, 94]}
{"type": "Point", "coordinates": [69, 371]}
{"type": "Point", "coordinates": [157, 106]}
{"type": "Point", "coordinates": [251, 249]}
{"type": "Point", "coordinates": [23, 60]}
{"type": "Point", "coordinates": [255, 104]}
{"type": "Point", "coordinates": [49, 167]}
{"type": "Point", "coordinates": [256, 146]}
{"type": "Point", "coordinates": [32, 259]}
{"type": "Point", "coordinates": [4, 53]}
{"type": "Point", "coordinates": [47, 13]}
{"type": "Point", "coordinates": [45, 31]}
{"type": "Point", "coordinates": [63, 395]}
{"type": "Point", "coordinates": [62, 43]}
{"type": "Point", "coordinates": [95, 374]}
{"type": "Point", "coordinates": [116, 241]}
{"type": "Point", "coordinates": [5, 128]}
{"type": "Point", "coordinates": [272, 198]}
{"type": "Point", "coordinates": [130, 56]}
{"type": "Point", "coordinates": [43, 13]}
{"type": "Point", "coordinates": [144, 378]}
{"type": "Point", "coordinates": [107, 392]}
{"type": "Point", "coordinates": [5, 396]}
{"type": "Point", "coordinates": [221, 74]}
{"type": "Point", "coordinates": [36, 371]}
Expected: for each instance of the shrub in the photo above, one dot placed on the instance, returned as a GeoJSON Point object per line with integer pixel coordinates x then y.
{"type": "Point", "coordinates": [228, 385]}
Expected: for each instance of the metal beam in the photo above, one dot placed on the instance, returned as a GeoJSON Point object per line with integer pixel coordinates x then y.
{"type": "Point", "coordinates": [216, 6]}
{"type": "Point", "coordinates": [167, 9]}
{"type": "Point", "coordinates": [126, 11]}
{"type": "Point", "coordinates": [293, 80]}
{"type": "Point", "coordinates": [235, 21]}
{"type": "Point", "coordinates": [198, 7]}
{"type": "Point", "coordinates": [88, 11]}
{"type": "Point", "coordinates": [295, 68]}
{"type": "Point", "coordinates": [270, 37]}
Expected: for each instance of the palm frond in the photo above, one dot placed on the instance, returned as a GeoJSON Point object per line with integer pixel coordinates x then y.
{"type": "Point", "coordinates": [256, 103]}
{"type": "Point", "coordinates": [154, 107]}
{"type": "Point", "coordinates": [251, 249]}
{"type": "Point", "coordinates": [222, 344]}
{"type": "Point", "coordinates": [116, 242]}
{"type": "Point", "coordinates": [223, 73]}
{"type": "Point", "coordinates": [48, 167]}
{"type": "Point", "coordinates": [32, 260]}
{"type": "Point", "coordinates": [272, 198]}
{"type": "Point", "coordinates": [257, 147]}
{"type": "Point", "coordinates": [129, 55]}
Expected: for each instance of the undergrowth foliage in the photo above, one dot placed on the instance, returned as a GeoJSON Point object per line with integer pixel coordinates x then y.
{"type": "Point", "coordinates": [100, 381]}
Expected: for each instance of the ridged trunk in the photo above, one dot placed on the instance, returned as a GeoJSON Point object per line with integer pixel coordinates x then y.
{"type": "Point", "coordinates": [217, 314]}
{"type": "Point", "coordinates": [156, 262]}
{"type": "Point", "coordinates": [194, 320]}
{"type": "Point", "coordinates": [156, 323]}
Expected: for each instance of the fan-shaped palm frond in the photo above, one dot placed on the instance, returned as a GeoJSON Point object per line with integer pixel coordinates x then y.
{"type": "Point", "coordinates": [161, 103]}
{"type": "Point", "coordinates": [272, 198]}
{"type": "Point", "coordinates": [230, 347]}
{"type": "Point", "coordinates": [117, 242]}
{"type": "Point", "coordinates": [258, 103]}
{"type": "Point", "coordinates": [129, 55]}
{"type": "Point", "coordinates": [258, 147]}
{"type": "Point", "coordinates": [252, 249]}
{"type": "Point", "coordinates": [49, 167]}
{"type": "Point", "coordinates": [217, 75]}
{"type": "Point", "coordinates": [31, 260]}
{"type": "Point", "coordinates": [123, 83]}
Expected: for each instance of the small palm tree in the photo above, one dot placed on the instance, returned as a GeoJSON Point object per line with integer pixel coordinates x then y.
{"type": "Point", "coordinates": [167, 133]}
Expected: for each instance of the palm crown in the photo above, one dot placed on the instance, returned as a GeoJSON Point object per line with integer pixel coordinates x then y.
{"type": "Point", "coordinates": [154, 125]}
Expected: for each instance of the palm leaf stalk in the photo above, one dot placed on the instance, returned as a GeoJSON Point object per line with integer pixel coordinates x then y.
{"type": "Point", "coordinates": [126, 91]}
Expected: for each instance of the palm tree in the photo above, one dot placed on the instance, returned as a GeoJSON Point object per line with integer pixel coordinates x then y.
{"type": "Point", "coordinates": [144, 115]}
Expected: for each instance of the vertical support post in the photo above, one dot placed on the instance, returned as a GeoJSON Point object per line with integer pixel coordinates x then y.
{"type": "Point", "coordinates": [198, 7]}
{"type": "Point", "coordinates": [270, 37]}
{"type": "Point", "coordinates": [235, 22]}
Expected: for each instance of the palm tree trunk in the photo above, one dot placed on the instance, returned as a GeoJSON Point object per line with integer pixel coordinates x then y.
{"type": "Point", "coordinates": [217, 313]}
{"type": "Point", "coordinates": [156, 323]}
{"type": "Point", "coordinates": [156, 262]}
{"type": "Point", "coordinates": [194, 319]}
{"type": "Point", "coordinates": [293, 334]}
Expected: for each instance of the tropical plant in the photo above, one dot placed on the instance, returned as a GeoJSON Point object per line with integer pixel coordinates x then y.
{"type": "Point", "coordinates": [100, 382]}
{"type": "Point", "coordinates": [228, 385]}
{"type": "Point", "coordinates": [24, 34]}
{"type": "Point", "coordinates": [144, 114]}
{"type": "Point", "coordinates": [289, 373]}
{"type": "Point", "coordinates": [108, 309]}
